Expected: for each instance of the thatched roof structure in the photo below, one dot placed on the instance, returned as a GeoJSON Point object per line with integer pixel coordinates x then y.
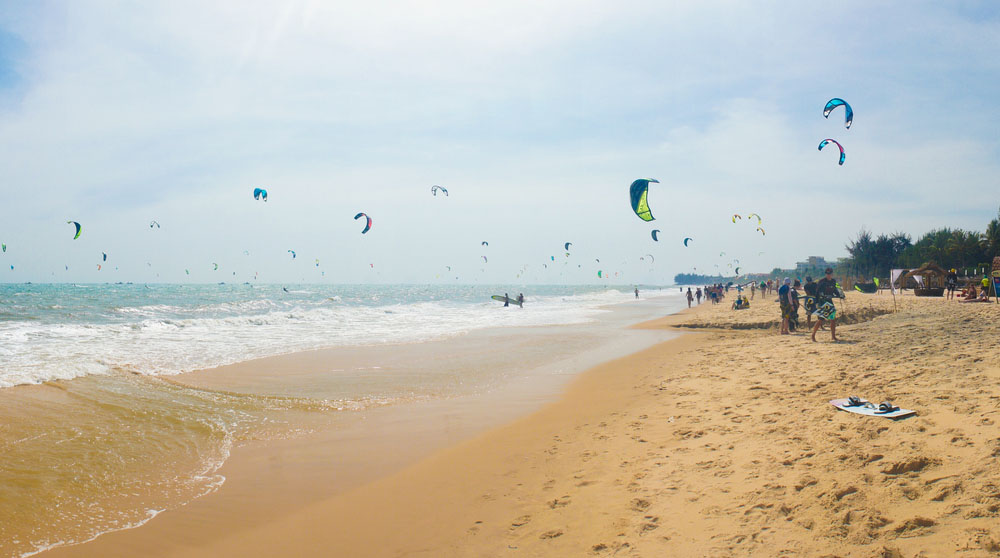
{"type": "Point", "coordinates": [934, 273]}
{"type": "Point", "coordinates": [996, 263]}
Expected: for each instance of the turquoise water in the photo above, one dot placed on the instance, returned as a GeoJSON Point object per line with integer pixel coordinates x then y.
{"type": "Point", "coordinates": [63, 331]}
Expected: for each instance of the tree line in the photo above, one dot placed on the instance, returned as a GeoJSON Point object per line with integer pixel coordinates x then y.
{"type": "Point", "coordinates": [969, 252]}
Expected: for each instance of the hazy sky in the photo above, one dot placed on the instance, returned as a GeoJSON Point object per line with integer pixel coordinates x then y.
{"type": "Point", "coordinates": [536, 116]}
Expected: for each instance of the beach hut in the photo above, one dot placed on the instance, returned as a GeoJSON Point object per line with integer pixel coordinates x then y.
{"type": "Point", "coordinates": [931, 281]}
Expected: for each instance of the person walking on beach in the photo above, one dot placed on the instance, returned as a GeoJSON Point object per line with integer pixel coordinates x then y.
{"type": "Point", "coordinates": [785, 302]}
{"type": "Point", "coordinates": [690, 297]}
{"type": "Point", "coordinates": [697, 295]}
{"type": "Point", "coordinates": [753, 288]}
{"type": "Point", "coordinates": [826, 290]}
{"type": "Point", "coordinates": [637, 292]}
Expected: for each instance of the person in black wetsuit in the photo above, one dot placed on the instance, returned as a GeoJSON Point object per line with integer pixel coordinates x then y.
{"type": "Point", "coordinates": [951, 281]}
{"type": "Point", "coordinates": [810, 288]}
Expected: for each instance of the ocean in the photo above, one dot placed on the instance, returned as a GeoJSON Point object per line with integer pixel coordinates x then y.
{"type": "Point", "coordinates": [113, 407]}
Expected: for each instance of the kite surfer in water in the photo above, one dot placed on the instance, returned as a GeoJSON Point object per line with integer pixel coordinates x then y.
{"type": "Point", "coordinates": [520, 300]}
{"type": "Point", "coordinates": [506, 300]}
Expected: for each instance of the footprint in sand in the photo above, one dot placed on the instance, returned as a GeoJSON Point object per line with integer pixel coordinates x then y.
{"type": "Point", "coordinates": [519, 522]}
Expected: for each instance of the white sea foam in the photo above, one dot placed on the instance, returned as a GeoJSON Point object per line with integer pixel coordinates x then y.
{"type": "Point", "coordinates": [169, 338]}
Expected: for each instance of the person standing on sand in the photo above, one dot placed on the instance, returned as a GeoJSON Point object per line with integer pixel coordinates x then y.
{"type": "Point", "coordinates": [810, 288]}
{"type": "Point", "coordinates": [826, 289]}
{"type": "Point", "coordinates": [785, 302]}
{"type": "Point", "coordinates": [690, 297]}
{"type": "Point", "coordinates": [793, 322]}
{"type": "Point", "coordinates": [753, 288]}
{"type": "Point", "coordinates": [637, 292]}
{"type": "Point", "coordinates": [951, 281]}
{"type": "Point", "coordinates": [697, 295]}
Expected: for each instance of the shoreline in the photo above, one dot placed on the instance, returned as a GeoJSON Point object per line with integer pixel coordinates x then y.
{"type": "Point", "coordinates": [720, 442]}
{"type": "Point", "coordinates": [335, 451]}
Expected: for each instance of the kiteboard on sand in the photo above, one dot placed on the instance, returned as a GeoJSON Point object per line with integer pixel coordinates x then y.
{"type": "Point", "coordinates": [863, 407]}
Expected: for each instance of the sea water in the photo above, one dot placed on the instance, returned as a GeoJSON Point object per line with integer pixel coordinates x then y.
{"type": "Point", "coordinates": [50, 332]}
{"type": "Point", "coordinates": [96, 436]}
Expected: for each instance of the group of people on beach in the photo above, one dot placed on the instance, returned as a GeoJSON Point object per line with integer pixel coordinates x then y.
{"type": "Point", "coordinates": [969, 293]}
{"type": "Point", "coordinates": [819, 297]}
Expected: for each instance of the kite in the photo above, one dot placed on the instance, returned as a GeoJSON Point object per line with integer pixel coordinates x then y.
{"type": "Point", "coordinates": [848, 111]}
{"type": "Point", "coordinates": [598, 273]}
{"type": "Point", "coordinates": [687, 239]}
{"type": "Point", "coordinates": [435, 188]}
{"type": "Point", "coordinates": [761, 231]}
{"type": "Point", "coordinates": [754, 215]}
{"type": "Point", "coordinates": [292, 252]}
{"type": "Point", "coordinates": [484, 243]}
{"type": "Point", "coordinates": [77, 228]}
{"type": "Point", "coordinates": [4, 246]}
{"type": "Point", "coordinates": [246, 252]}
{"type": "Point", "coordinates": [449, 267]}
{"type": "Point", "coordinates": [823, 144]}
{"type": "Point", "coordinates": [105, 256]}
{"type": "Point", "coordinates": [736, 216]}
{"type": "Point", "coordinates": [260, 194]}
{"type": "Point", "coordinates": [598, 260]}
{"type": "Point", "coordinates": [187, 272]}
{"type": "Point", "coordinates": [368, 226]}
{"type": "Point", "coordinates": [638, 192]}
{"type": "Point", "coordinates": [485, 260]}
{"type": "Point", "coordinates": [317, 262]}
{"type": "Point", "coordinates": [566, 246]}
{"type": "Point", "coordinates": [12, 268]}
{"type": "Point", "coordinates": [154, 223]}
{"type": "Point", "coordinates": [737, 271]}
{"type": "Point", "coordinates": [98, 267]}
{"type": "Point", "coordinates": [216, 266]}
{"type": "Point", "coordinates": [653, 234]}
{"type": "Point", "coordinates": [650, 256]}
{"type": "Point", "coordinates": [552, 258]}
{"type": "Point", "coordinates": [735, 261]}
{"type": "Point", "coordinates": [722, 254]}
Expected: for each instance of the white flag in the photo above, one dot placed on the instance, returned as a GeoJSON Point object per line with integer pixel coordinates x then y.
{"type": "Point", "coordinates": [892, 279]}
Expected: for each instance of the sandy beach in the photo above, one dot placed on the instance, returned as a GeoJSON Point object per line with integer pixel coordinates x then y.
{"type": "Point", "coordinates": [719, 443]}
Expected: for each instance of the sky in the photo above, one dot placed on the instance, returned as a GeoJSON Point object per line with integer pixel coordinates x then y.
{"type": "Point", "coordinates": [535, 116]}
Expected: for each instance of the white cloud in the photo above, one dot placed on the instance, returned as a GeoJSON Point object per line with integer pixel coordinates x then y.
{"type": "Point", "coordinates": [535, 116]}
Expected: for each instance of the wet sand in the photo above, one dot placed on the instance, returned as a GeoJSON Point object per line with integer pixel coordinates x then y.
{"type": "Point", "coordinates": [719, 443]}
